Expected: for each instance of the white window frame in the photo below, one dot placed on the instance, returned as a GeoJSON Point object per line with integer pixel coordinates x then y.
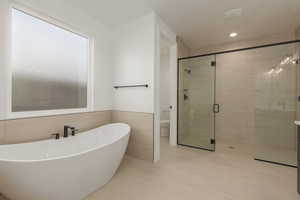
{"type": "Point", "coordinates": [90, 81]}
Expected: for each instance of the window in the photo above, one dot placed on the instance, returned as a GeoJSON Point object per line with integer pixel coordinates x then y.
{"type": "Point", "coordinates": [49, 66]}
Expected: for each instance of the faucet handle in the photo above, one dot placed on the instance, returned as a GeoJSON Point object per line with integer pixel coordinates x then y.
{"type": "Point", "coordinates": [74, 130]}
{"type": "Point", "coordinates": [57, 135]}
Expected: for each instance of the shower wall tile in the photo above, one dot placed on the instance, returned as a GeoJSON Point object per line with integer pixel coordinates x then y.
{"type": "Point", "coordinates": [279, 126]}
{"type": "Point", "coordinates": [258, 107]}
{"type": "Point", "coordinates": [141, 137]}
{"type": "Point", "coordinates": [39, 128]}
{"type": "Point", "coordinates": [236, 96]}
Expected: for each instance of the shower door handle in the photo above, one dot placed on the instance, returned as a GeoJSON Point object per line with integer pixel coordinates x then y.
{"type": "Point", "coordinates": [216, 108]}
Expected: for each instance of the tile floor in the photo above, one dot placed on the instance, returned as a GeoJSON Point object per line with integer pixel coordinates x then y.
{"type": "Point", "coordinates": [183, 173]}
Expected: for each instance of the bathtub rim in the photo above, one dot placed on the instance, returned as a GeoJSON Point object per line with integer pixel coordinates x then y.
{"type": "Point", "coordinates": [70, 155]}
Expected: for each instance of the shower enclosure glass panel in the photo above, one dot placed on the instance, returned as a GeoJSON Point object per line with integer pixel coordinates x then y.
{"type": "Point", "coordinates": [257, 89]}
{"type": "Point", "coordinates": [196, 97]}
{"type": "Point", "coordinates": [276, 103]}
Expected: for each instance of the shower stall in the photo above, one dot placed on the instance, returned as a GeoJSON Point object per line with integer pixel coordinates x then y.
{"type": "Point", "coordinates": [245, 99]}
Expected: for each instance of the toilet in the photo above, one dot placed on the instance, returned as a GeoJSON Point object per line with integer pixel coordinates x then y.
{"type": "Point", "coordinates": [165, 128]}
{"type": "Point", "coordinates": [165, 123]}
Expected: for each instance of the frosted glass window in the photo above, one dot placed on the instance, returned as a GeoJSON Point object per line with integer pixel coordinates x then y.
{"type": "Point", "coordinates": [49, 65]}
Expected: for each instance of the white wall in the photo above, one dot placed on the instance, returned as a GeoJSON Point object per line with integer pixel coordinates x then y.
{"type": "Point", "coordinates": [103, 96]}
{"type": "Point", "coordinates": [164, 36]}
{"type": "Point", "coordinates": [122, 56]}
{"type": "Point", "coordinates": [4, 19]}
{"type": "Point", "coordinates": [70, 16]}
{"type": "Point", "coordinates": [134, 64]}
{"type": "Point", "coordinates": [165, 84]}
{"type": "Point", "coordinates": [137, 61]}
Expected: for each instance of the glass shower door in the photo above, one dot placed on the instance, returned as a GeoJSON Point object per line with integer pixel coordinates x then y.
{"type": "Point", "coordinates": [196, 102]}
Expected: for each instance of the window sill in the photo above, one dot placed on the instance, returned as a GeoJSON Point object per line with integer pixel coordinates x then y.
{"type": "Point", "coordinates": [45, 113]}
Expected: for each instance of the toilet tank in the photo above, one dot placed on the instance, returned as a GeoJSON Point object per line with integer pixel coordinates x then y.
{"type": "Point", "coordinates": [165, 115]}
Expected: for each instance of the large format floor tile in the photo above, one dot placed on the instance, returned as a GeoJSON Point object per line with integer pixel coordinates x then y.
{"type": "Point", "coordinates": [182, 173]}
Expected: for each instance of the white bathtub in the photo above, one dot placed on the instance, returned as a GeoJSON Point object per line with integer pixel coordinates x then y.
{"type": "Point", "coordinates": [66, 169]}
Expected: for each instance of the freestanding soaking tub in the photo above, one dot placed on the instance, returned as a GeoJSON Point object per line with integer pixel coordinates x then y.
{"type": "Point", "coordinates": [65, 169]}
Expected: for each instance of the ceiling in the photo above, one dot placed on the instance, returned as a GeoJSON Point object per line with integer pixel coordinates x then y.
{"type": "Point", "coordinates": [201, 22]}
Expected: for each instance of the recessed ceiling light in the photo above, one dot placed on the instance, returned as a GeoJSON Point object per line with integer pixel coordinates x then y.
{"type": "Point", "coordinates": [233, 34]}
